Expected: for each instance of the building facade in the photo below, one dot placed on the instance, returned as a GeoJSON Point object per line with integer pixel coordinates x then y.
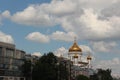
{"type": "Point", "coordinates": [10, 61]}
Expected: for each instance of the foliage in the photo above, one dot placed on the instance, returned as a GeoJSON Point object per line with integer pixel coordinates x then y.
{"type": "Point", "coordinates": [48, 69]}
{"type": "Point", "coordinates": [26, 69]}
{"type": "Point", "coordinates": [102, 75]}
{"type": "Point", "coordinates": [63, 73]}
{"type": "Point", "coordinates": [45, 68]}
{"type": "Point", "coordinates": [81, 77]}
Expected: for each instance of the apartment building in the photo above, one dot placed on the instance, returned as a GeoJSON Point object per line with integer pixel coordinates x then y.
{"type": "Point", "coordinates": [10, 61]}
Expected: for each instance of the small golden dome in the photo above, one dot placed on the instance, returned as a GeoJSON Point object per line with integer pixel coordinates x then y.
{"type": "Point", "coordinates": [75, 56]}
{"type": "Point", "coordinates": [89, 57]}
{"type": "Point", "coordinates": [75, 48]}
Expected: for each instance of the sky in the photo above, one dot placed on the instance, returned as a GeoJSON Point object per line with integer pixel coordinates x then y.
{"type": "Point", "coordinates": [42, 26]}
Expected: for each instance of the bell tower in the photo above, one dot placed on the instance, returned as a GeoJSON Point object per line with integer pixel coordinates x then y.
{"type": "Point", "coordinates": [89, 58]}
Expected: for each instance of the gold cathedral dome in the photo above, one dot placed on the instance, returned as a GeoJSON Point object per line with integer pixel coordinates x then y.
{"type": "Point", "coordinates": [75, 47]}
{"type": "Point", "coordinates": [89, 57]}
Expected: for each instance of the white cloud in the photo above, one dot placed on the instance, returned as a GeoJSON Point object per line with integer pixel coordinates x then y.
{"type": "Point", "coordinates": [37, 37]}
{"type": "Point", "coordinates": [34, 15]}
{"type": "Point", "coordinates": [91, 27]}
{"type": "Point", "coordinates": [113, 64]}
{"type": "Point", "coordinates": [86, 49]}
{"type": "Point", "coordinates": [112, 10]}
{"type": "Point", "coordinates": [58, 35]}
{"type": "Point", "coordinates": [37, 54]}
{"type": "Point", "coordinates": [61, 52]}
{"type": "Point", "coordinates": [102, 46]}
{"type": "Point", "coordinates": [6, 38]}
{"type": "Point", "coordinates": [47, 14]}
{"type": "Point", "coordinates": [88, 26]}
{"type": "Point", "coordinates": [6, 14]}
{"type": "Point", "coordinates": [82, 17]}
{"type": "Point", "coordinates": [60, 8]}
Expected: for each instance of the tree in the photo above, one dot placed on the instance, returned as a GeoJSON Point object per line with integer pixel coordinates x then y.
{"type": "Point", "coordinates": [49, 68]}
{"type": "Point", "coordinates": [26, 69]}
{"type": "Point", "coordinates": [81, 77]}
{"type": "Point", "coordinates": [63, 71]}
{"type": "Point", "coordinates": [102, 75]}
{"type": "Point", "coordinates": [45, 68]}
{"type": "Point", "coordinates": [94, 77]}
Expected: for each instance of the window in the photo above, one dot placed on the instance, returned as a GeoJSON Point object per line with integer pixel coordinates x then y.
{"type": "Point", "coordinates": [1, 59]}
{"type": "Point", "coordinates": [7, 60]}
{"type": "Point", "coordinates": [1, 66]}
{"type": "Point", "coordinates": [9, 53]}
{"type": "Point", "coordinates": [0, 51]}
{"type": "Point", "coordinates": [1, 72]}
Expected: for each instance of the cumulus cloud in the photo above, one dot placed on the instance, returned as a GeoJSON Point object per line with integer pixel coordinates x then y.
{"type": "Point", "coordinates": [113, 64]}
{"type": "Point", "coordinates": [59, 8]}
{"type": "Point", "coordinates": [58, 35]}
{"type": "Point", "coordinates": [102, 46]}
{"type": "Point", "coordinates": [6, 38]}
{"type": "Point", "coordinates": [33, 15]}
{"type": "Point", "coordinates": [61, 52]}
{"type": "Point", "coordinates": [37, 54]}
{"type": "Point", "coordinates": [37, 37]}
{"type": "Point", "coordinates": [81, 17]}
{"type": "Point", "coordinates": [86, 49]}
{"type": "Point", "coordinates": [6, 14]}
{"type": "Point", "coordinates": [48, 14]}
{"type": "Point", "coordinates": [89, 26]}
{"type": "Point", "coordinates": [112, 10]}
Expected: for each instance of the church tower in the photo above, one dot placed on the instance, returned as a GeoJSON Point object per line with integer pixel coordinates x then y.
{"type": "Point", "coordinates": [75, 53]}
{"type": "Point", "coordinates": [89, 58]}
{"type": "Point", "coordinates": [81, 64]}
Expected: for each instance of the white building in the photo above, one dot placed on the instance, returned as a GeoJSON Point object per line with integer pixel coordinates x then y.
{"type": "Point", "coordinates": [80, 67]}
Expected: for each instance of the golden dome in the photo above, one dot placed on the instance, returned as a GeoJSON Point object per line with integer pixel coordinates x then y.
{"type": "Point", "coordinates": [75, 48]}
{"type": "Point", "coordinates": [75, 56]}
{"type": "Point", "coordinates": [89, 57]}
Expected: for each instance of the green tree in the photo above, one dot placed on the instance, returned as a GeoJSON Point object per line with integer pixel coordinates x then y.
{"type": "Point", "coordinates": [94, 77]}
{"type": "Point", "coordinates": [63, 71]}
{"type": "Point", "coordinates": [49, 68]}
{"type": "Point", "coordinates": [45, 68]}
{"type": "Point", "coordinates": [102, 75]}
{"type": "Point", "coordinates": [81, 77]}
{"type": "Point", "coordinates": [26, 69]}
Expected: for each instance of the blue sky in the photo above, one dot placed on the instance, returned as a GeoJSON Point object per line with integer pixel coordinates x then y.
{"type": "Point", "coordinates": [38, 27]}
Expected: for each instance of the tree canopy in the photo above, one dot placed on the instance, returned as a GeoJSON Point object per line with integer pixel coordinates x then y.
{"type": "Point", "coordinates": [102, 75]}
{"type": "Point", "coordinates": [81, 77]}
{"type": "Point", "coordinates": [26, 69]}
{"type": "Point", "coordinates": [47, 68]}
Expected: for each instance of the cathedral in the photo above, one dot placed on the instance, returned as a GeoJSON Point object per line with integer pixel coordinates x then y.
{"type": "Point", "coordinates": [80, 67]}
